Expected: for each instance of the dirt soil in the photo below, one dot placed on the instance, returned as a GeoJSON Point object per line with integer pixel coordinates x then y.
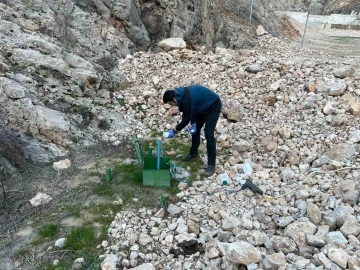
{"type": "Point", "coordinates": [76, 192]}
{"type": "Point", "coordinates": [331, 44]}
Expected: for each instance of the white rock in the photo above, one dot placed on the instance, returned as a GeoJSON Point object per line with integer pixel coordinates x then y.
{"type": "Point", "coordinates": [260, 31]}
{"type": "Point", "coordinates": [173, 209]}
{"type": "Point", "coordinates": [355, 136]}
{"type": "Point", "coordinates": [329, 109]}
{"type": "Point", "coordinates": [213, 253]}
{"type": "Point", "coordinates": [104, 243]}
{"type": "Point", "coordinates": [240, 252]}
{"type": "Point", "coordinates": [274, 261]}
{"type": "Point", "coordinates": [62, 165]}
{"type": "Point", "coordinates": [110, 262]}
{"type": "Point", "coordinates": [350, 227]}
{"type": "Point", "coordinates": [40, 199]}
{"type": "Point", "coordinates": [172, 43]}
{"type": "Point", "coordinates": [60, 242]}
{"type": "Point", "coordinates": [145, 239]}
{"type": "Point", "coordinates": [338, 256]}
{"type": "Point", "coordinates": [155, 80]}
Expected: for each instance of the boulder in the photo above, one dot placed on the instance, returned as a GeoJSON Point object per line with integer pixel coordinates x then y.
{"type": "Point", "coordinates": [240, 252]}
{"type": "Point", "coordinates": [332, 87]}
{"type": "Point", "coordinates": [344, 72]}
{"type": "Point", "coordinates": [297, 231]}
{"type": "Point", "coordinates": [260, 31]}
{"type": "Point", "coordinates": [110, 262]}
{"type": "Point", "coordinates": [172, 44]}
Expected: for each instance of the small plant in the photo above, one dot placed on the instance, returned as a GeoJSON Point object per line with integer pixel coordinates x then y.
{"type": "Point", "coordinates": [104, 213]}
{"type": "Point", "coordinates": [131, 174]}
{"type": "Point", "coordinates": [177, 146]}
{"type": "Point", "coordinates": [22, 253]}
{"type": "Point", "coordinates": [80, 239]}
{"type": "Point", "coordinates": [48, 231]}
{"type": "Point", "coordinates": [108, 62]}
{"type": "Point", "coordinates": [104, 189]}
{"type": "Point", "coordinates": [73, 210]}
{"type": "Point", "coordinates": [86, 114]}
{"type": "Point", "coordinates": [155, 134]}
{"type": "Point", "coordinates": [104, 125]}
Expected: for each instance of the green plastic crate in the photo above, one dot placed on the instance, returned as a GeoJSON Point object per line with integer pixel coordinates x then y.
{"type": "Point", "coordinates": [151, 175]}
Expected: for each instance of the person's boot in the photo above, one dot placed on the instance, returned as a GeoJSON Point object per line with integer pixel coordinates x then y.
{"type": "Point", "coordinates": [210, 170]}
{"type": "Point", "coordinates": [191, 157]}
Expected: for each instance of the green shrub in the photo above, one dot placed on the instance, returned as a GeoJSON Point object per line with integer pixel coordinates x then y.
{"type": "Point", "coordinates": [80, 239]}
{"type": "Point", "coordinates": [49, 230]}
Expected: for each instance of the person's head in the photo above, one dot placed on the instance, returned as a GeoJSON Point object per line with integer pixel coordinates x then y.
{"type": "Point", "coordinates": [169, 97]}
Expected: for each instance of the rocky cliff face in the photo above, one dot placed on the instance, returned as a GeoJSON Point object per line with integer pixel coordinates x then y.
{"type": "Point", "coordinates": [342, 7]}
{"type": "Point", "coordinates": [58, 62]}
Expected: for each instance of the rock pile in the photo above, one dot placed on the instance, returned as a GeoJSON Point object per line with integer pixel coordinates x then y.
{"type": "Point", "coordinates": [295, 119]}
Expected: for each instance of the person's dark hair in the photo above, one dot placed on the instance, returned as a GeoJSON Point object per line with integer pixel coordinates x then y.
{"type": "Point", "coordinates": [168, 96]}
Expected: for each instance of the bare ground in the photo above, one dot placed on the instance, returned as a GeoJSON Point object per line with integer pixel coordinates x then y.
{"type": "Point", "coordinates": [331, 44]}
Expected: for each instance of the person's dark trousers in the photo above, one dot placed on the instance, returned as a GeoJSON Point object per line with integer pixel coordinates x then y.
{"type": "Point", "coordinates": [209, 118]}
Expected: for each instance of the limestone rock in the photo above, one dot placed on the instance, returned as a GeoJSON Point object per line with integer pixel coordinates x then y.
{"type": "Point", "coordinates": [260, 31]}
{"type": "Point", "coordinates": [355, 136]}
{"type": "Point", "coordinates": [256, 238]}
{"type": "Point", "coordinates": [109, 262]}
{"type": "Point", "coordinates": [242, 146]}
{"type": "Point", "coordinates": [40, 199]}
{"type": "Point", "coordinates": [240, 252]}
{"type": "Point", "coordinates": [255, 68]}
{"type": "Point", "coordinates": [145, 266]}
{"type": "Point", "coordinates": [350, 227]}
{"type": "Point", "coordinates": [145, 239]}
{"type": "Point", "coordinates": [62, 165]}
{"type": "Point", "coordinates": [60, 242]}
{"type": "Point", "coordinates": [173, 209]}
{"type": "Point", "coordinates": [172, 43]}
{"type": "Point", "coordinates": [232, 111]}
{"type": "Point", "coordinates": [297, 230]}
{"type": "Point", "coordinates": [332, 87]}
{"type": "Point", "coordinates": [341, 151]}
{"type": "Point", "coordinates": [355, 108]}
{"type": "Point", "coordinates": [335, 238]}
{"type": "Point", "coordinates": [315, 241]}
{"type": "Point", "coordinates": [351, 197]}
{"type": "Point", "coordinates": [284, 244]}
{"type": "Point", "coordinates": [338, 256]}
{"type": "Point", "coordinates": [314, 213]}
{"type": "Point", "coordinates": [344, 72]}
{"type": "Point", "coordinates": [274, 261]}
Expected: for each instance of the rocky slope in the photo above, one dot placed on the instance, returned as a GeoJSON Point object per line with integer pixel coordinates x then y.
{"type": "Point", "coordinates": [58, 63]}
{"type": "Point", "coordinates": [291, 115]}
{"type": "Point", "coordinates": [58, 59]}
{"type": "Point", "coordinates": [343, 7]}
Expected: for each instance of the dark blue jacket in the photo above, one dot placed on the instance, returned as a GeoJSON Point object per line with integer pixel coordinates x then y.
{"type": "Point", "coordinates": [192, 101]}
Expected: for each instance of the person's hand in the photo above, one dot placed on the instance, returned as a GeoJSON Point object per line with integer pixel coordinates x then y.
{"type": "Point", "coordinates": [171, 133]}
{"type": "Point", "coordinates": [192, 129]}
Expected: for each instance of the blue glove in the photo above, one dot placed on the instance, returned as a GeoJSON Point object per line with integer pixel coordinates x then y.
{"type": "Point", "coordinates": [192, 129]}
{"type": "Point", "coordinates": [171, 133]}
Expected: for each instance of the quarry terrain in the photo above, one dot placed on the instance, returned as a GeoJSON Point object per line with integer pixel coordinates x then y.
{"type": "Point", "coordinates": [78, 79]}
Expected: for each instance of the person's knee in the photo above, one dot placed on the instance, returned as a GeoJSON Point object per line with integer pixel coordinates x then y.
{"type": "Point", "coordinates": [209, 135]}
